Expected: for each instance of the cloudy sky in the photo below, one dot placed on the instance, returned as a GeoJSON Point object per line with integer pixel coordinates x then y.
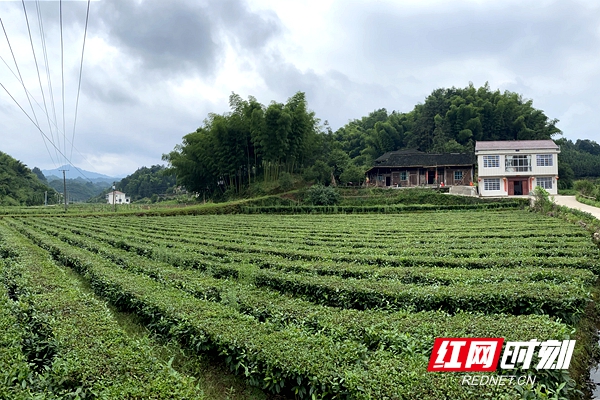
{"type": "Point", "coordinates": [154, 69]}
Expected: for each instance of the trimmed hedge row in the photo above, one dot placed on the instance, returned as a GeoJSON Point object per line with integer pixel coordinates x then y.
{"type": "Point", "coordinates": [275, 359]}
{"type": "Point", "coordinates": [398, 243]}
{"type": "Point", "coordinates": [17, 380]}
{"type": "Point", "coordinates": [287, 357]}
{"type": "Point", "coordinates": [218, 252]}
{"type": "Point", "coordinates": [180, 256]}
{"type": "Point", "coordinates": [566, 301]}
{"type": "Point", "coordinates": [385, 209]}
{"type": "Point", "coordinates": [435, 275]}
{"type": "Point", "coordinates": [90, 242]}
{"type": "Point", "coordinates": [261, 304]}
{"type": "Point", "coordinates": [84, 352]}
{"type": "Point", "coordinates": [351, 265]}
{"type": "Point", "coordinates": [277, 309]}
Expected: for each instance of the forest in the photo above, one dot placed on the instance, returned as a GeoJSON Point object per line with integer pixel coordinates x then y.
{"type": "Point", "coordinates": [253, 142]}
{"type": "Point", "coordinates": [146, 182]}
{"type": "Point", "coordinates": [19, 185]}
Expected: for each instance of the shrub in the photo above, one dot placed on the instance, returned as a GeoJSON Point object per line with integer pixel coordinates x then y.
{"type": "Point", "coordinates": [541, 198]}
{"type": "Point", "coordinates": [320, 195]}
{"type": "Point", "coordinates": [319, 173]}
{"type": "Point", "coordinates": [585, 187]}
{"type": "Point", "coordinates": [286, 182]}
{"type": "Point", "coordinates": [352, 175]}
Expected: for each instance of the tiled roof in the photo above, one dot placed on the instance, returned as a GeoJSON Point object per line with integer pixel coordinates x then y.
{"type": "Point", "coordinates": [516, 145]}
{"type": "Point", "coordinates": [414, 158]}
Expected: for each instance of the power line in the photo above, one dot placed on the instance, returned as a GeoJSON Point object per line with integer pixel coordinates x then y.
{"type": "Point", "coordinates": [24, 88]}
{"type": "Point", "coordinates": [41, 131]}
{"type": "Point", "coordinates": [48, 76]}
{"type": "Point", "coordinates": [17, 66]}
{"type": "Point", "coordinates": [29, 96]}
{"type": "Point", "coordinates": [47, 68]}
{"type": "Point", "coordinates": [87, 14]}
{"type": "Point", "coordinates": [37, 69]}
{"type": "Point", "coordinates": [62, 74]}
{"type": "Point", "coordinates": [53, 122]}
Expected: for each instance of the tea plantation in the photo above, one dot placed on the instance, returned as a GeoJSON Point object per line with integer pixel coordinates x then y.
{"type": "Point", "coordinates": [302, 306]}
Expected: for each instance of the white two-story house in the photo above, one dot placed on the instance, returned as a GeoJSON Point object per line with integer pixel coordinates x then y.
{"type": "Point", "coordinates": [513, 168]}
{"type": "Point", "coordinates": [116, 197]}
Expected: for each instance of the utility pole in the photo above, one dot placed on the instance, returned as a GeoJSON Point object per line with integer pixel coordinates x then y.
{"type": "Point", "coordinates": [114, 201]}
{"type": "Point", "coordinates": [64, 187]}
{"type": "Point", "coordinates": [45, 198]}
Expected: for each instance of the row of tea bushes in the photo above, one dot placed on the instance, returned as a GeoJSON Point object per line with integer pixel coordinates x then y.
{"type": "Point", "coordinates": [71, 334]}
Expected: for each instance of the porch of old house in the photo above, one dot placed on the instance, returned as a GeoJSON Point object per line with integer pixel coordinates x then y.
{"type": "Point", "coordinates": [421, 177]}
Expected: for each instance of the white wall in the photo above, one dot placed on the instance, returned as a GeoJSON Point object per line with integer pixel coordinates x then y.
{"type": "Point", "coordinates": [500, 171]}
{"type": "Point", "coordinates": [118, 198]}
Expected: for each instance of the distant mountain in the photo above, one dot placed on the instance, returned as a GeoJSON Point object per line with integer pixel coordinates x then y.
{"type": "Point", "coordinates": [73, 173]}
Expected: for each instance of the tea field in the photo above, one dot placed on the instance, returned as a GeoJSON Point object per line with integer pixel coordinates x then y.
{"type": "Point", "coordinates": [300, 306]}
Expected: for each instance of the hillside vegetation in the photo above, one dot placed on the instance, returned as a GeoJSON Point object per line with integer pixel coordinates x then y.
{"type": "Point", "coordinates": [19, 186]}
{"type": "Point", "coordinates": [78, 189]}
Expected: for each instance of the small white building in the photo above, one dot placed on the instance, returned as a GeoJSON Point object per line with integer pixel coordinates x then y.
{"type": "Point", "coordinates": [117, 197]}
{"type": "Point", "coordinates": [513, 168]}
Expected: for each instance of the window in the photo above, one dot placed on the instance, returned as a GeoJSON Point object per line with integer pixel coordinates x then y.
{"type": "Point", "coordinates": [403, 175]}
{"type": "Point", "coordinates": [544, 160]}
{"type": "Point", "coordinates": [544, 182]}
{"type": "Point", "coordinates": [491, 161]}
{"type": "Point", "coordinates": [518, 163]}
{"type": "Point", "coordinates": [491, 184]}
{"type": "Point", "coordinates": [458, 175]}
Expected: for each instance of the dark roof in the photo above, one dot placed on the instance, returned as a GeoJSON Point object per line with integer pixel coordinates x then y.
{"type": "Point", "coordinates": [516, 145]}
{"type": "Point", "coordinates": [414, 158]}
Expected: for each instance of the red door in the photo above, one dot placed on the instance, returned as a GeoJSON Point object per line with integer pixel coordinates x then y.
{"type": "Point", "coordinates": [521, 184]}
{"type": "Point", "coordinates": [525, 185]}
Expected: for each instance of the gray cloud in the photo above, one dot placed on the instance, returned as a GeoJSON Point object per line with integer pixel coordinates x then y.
{"type": "Point", "coordinates": [332, 95]}
{"type": "Point", "coordinates": [176, 36]}
{"type": "Point", "coordinates": [521, 36]}
{"type": "Point", "coordinates": [95, 88]}
{"type": "Point", "coordinates": [251, 31]}
{"type": "Point", "coordinates": [170, 36]}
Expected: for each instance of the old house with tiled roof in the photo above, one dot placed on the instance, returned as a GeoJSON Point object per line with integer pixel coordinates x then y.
{"type": "Point", "coordinates": [411, 168]}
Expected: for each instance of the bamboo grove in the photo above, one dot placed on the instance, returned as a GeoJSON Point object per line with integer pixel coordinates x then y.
{"type": "Point", "coordinates": [251, 141]}
{"type": "Point", "coordinates": [254, 142]}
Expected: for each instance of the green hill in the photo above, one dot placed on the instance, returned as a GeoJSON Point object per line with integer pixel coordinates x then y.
{"type": "Point", "coordinates": [78, 190]}
{"type": "Point", "coordinates": [19, 185]}
{"type": "Point", "coordinates": [144, 183]}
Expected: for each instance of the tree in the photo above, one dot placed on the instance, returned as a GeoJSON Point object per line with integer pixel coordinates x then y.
{"type": "Point", "coordinates": [319, 173]}
{"type": "Point", "coordinates": [38, 172]}
{"type": "Point", "coordinates": [450, 120]}
{"type": "Point", "coordinates": [352, 175]}
{"type": "Point", "coordinates": [231, 149]}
